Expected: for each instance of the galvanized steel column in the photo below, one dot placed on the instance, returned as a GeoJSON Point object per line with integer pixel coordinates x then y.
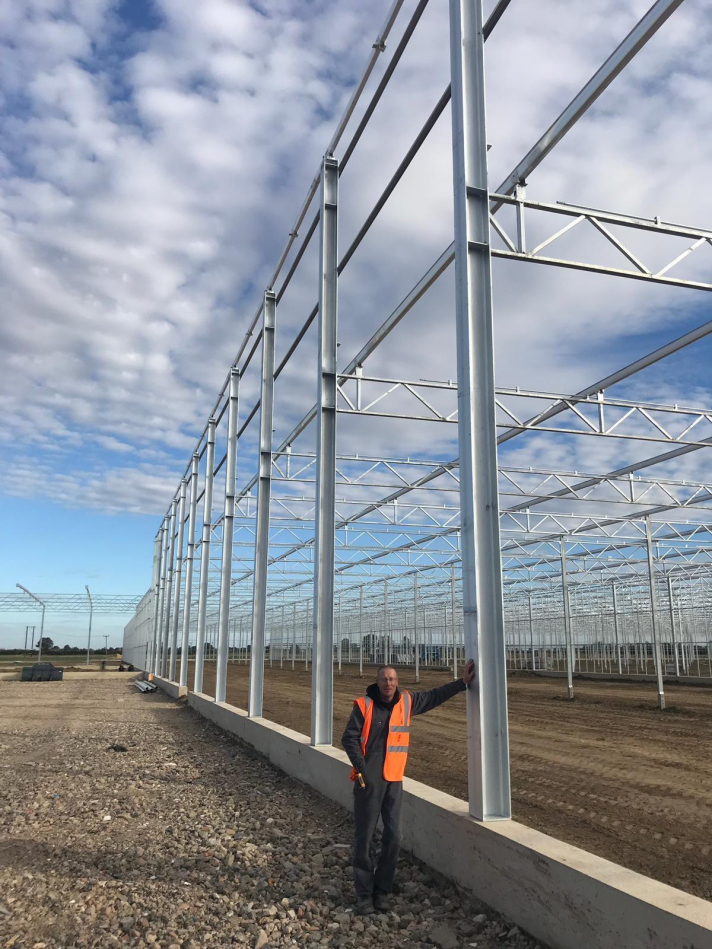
{"type": "Point", "coordinates": [360, 631]}
{"type": "Point", "coordinates": [386, 626]}
{"type": "Point", "coordinates": [415, 627]}
{"type": "Point", "coordinates": [567, 622]}
{"type": "Point", "coordinates": [531, 631]}
{"type": "Point", "coordinates": [205, 556]}
{"type": "Point", "coordinates": [161, 596]}
{"type": "Point", "coordinates": [157, 557]}
{"type": "Point", "coordinates": [672, 625]}
{"type": "Point", "coordinates": [264, 494]}
{"type": "Point", "coordinates": [654, 616]}
{"type": "Point", "coordinates": [323, 616]}
{"type": "Point", "coordinates": [178, 574]}
{"type": "Point", "coordinates": [294, 632]}
{"type": "Point", "coordinates": [454, 621]}
{"type": "Point", "coordinates": [228, 528]}
{"type": "Point", "coordinates": [488, 741]}
{"type": "Point", "coordinates": [169, 586]}
{"type": "Point", "coordinates": [615, 628]}
{"type": "Point", "coordinates": [189, 555]}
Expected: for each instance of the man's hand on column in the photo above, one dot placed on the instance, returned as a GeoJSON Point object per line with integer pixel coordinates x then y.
{"type": "Point", "coordinates": [469, 672]}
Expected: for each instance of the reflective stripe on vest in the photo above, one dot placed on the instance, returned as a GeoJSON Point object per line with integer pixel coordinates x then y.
{"type": "Point", "coordinates": [398, 740]}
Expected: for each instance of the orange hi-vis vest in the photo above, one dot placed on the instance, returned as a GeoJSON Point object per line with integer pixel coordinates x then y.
{"type": "Point", "coordinates": [398, 740]}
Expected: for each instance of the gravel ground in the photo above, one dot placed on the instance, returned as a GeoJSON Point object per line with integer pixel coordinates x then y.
{"type": "Point", "coordinates": [127, 820]}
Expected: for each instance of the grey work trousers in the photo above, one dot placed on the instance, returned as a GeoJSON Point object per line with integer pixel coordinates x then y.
{"type": "Point", "coordinates": [383, 798]}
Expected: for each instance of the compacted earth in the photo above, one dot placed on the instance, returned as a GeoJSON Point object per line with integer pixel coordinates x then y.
{"type": "Point", "coordinates": [608, 772]}
{"type": "Point", "coordinates": [127, 820]}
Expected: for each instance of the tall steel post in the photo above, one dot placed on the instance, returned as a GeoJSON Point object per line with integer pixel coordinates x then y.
{"type": "Point", "coordinates": [488, 739]}
{"type": "Point", "coordinates": [454, 620]}
{"type": "Point", "coordinates": [161, 596]}
{"type": "Point", "coordinates": [615, 628]}
{"type": "Point", "coordinates": [281, 638]}
{"type": "Point", "coordinates": [531, 631]}
{"type": "Point", "coordinates": [43, 605]}
{"type": "Point", "coordinates": [567, 622]}
{"type": "Point", "coordinates": [672, 625]}
{"type": "Point", "coordinates": [205, 556]}
{"type": "Point", "coordinates": [415, 627]}
{"type": "Point", "coordinates": [386, 625]}
{"type": "Point", "coordinates": [294, 633]}
{"type": "Point", "coordinates": [339, 649]}
{"type": "Point", "coordinates": [189, 557]}
{"type": "Point", "coordinates": [177, 575]}
{"type": "Point", "coordinates": [323, 614]}
{"type": "Point", "coordinates": [264, 494]}
{"type": "Point", "coordinates": [91, 614]}
{"type": "Point", "coordinates": [169, 585]}
{"type": "Point", "coordinates": [360, 631]}
{"type": "Point", "coordinates": [654, 616]}
{"type": "Point", "coordinates": [155, 580]}
{"type": "Point", "coordinates": [228, 528]}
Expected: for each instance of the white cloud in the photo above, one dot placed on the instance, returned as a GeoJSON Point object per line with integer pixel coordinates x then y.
{"type": "Point", "coordinates": [147, 184]}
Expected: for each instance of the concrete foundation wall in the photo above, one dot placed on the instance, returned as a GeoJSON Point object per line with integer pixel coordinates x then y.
{"type": "Point", "coordinates": [564, 896]}
{"type": "Point", "coordinates": [170, 688]}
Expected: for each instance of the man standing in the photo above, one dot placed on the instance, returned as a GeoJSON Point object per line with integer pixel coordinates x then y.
{"type": "Point", "coordinates": [376, 740]}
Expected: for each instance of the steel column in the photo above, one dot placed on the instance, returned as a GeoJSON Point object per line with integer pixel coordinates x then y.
{"type": "Point", "coordinates": [415, 627]}
{"type": "Point", "coordinates": [189, 556]}
{"type": "Point", "coordinates": [531, 631]}
{"type": "Point", "coordinates": [567, 622]}
{"type": "Point", "coordinates": [162, 603]}
{"type": "Point", "coordinates": [360, 631]}
{"type": "Point", "coordinates": [615, 628]}
{"type": "Point", "coordinates": [157, 553]}
{"type": "Point", "coordinates": [91, 613]}
{"type": "Point", "coordinates": [205, 556]}
{"type": "Point", "coordinates": [654, 616]}
{"type": "Point", "coordinates": [228, 527]}
{"type": "Point", "coordinates": [454, 621]}
{"type": "Point", "coordinates": [323, 618]}
{"type": "Point", "coordinates": [158, 627]}
{"type": "Point", "coordinates": [672, 625]}
{"type": "Point", "coordinates": [177, 579]}
{"type": "Point", "coordinates": [264, 493]}
{"type": "Point", "coordinates": [169, 585]}
{"type": "Point", "coordinates": [488, 741]}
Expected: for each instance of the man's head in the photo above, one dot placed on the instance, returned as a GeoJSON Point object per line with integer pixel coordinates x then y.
{"type": "Point", "coordinates": [387, 682]}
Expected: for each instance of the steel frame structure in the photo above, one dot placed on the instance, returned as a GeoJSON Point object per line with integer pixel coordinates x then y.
{"type": "Point", "coordinates": [71, 603]}
{"type": "Point", "coordinates": [427, 561]}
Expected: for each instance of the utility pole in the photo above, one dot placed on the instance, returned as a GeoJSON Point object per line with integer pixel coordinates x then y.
{"type": "Point", "coordinates": [106, 646]}
{"type": "Point", "coordinates": [43, 605]}
{"type": "Point", "coordinates": [91, 611]}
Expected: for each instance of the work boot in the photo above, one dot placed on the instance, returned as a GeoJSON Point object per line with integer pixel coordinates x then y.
{"type": "Point", "coordinates": [381, 901]}
{"type": "Point", "coordinates": [364, 907]}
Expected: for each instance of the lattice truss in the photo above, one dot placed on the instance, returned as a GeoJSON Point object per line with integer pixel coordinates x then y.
{"type": "Point", "coordinates": [69, 603]}
{"type": "Point", "coordinates": [248, 536]}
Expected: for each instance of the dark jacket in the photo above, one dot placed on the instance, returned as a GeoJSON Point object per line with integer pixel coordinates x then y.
{"type": "Point", "coordinates": [372, 766]}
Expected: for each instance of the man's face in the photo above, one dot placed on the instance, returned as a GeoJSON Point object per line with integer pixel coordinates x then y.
{"type": "Point", "coordinates": [387, 682]}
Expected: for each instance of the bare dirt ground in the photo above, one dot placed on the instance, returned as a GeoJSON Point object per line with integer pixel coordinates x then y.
{"type": "Point", "coordinates": [607, 772]}
{"type": "Point", "coordinates": [128, 820]}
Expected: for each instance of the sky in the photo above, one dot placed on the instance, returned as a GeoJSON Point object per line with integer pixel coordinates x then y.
{"type": "Point", "coordinates": [153, 157]}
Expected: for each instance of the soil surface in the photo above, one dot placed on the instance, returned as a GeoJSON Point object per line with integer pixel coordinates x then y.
{"type": "Point", "coordinates": [128, 820]}
{"type": "Point", "coordinates": [608, 771]}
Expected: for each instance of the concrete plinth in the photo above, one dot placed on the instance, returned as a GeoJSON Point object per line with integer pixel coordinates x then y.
{"type": "Point", "coordinates": [169, 687]}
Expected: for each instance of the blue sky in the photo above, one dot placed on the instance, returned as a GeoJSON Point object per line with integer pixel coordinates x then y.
{"type": "Point", "coordinates": [153, 157]}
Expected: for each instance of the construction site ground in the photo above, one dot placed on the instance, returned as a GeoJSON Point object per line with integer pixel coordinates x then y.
{"type": "Point", "coordinates": [608, 771]}
{"type": "Point", "coordinates": [126, 820]}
